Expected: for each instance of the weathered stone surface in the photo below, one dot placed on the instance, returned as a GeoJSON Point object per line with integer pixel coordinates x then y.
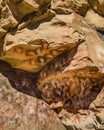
{"type": "Point", "coordinates": [84, 120]}
{"type": "Point", "coordinates": [95, 20]}
{"type": "Point", "coordinates": [20, 9]}
{"type": "Point", "coordinates": [65, 6]}
{"type": "Point", "coordinates": [13, 8]}
{"type": "Point", "coordinates": [32, 58]}
{"type": "Point", "coordinates": [26, 7]}
{"type": "Point", "coordinates": [97, 54]}
{"type": "Point", "coordinates": [35, 19]}
{"type": "Point", "coordinates": [56, 31]}
{"type": "Point", "coordinates": [93, 42]}
{"type": "Point", "coordinates": [7, 20]}
{"type": "Point", "coordinates": [66, 28]}
{"type": "Point", "coordinates": [19, 111]}
{"type": "Point", "coordinates": [56, 22]}
{"type": "Point", "coordinates": [72, 90]}
{"type": "Point", "coordinates": [81, 58]}
{"type": "Point", "coordinates": [98, 6]}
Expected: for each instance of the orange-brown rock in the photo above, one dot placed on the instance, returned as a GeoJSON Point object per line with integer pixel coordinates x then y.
{"type": "Point", "coordinates": [72, 90]}
{"type": "Point", "coordinates": [32, 58]}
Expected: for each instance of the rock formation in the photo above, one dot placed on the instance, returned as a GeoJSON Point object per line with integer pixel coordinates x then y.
{"type": "Point", "coordinates": [51, 54]}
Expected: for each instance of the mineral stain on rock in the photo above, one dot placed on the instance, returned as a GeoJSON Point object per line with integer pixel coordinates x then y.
{"type": "Point", "coordinates": [33, 56]}
{"type": "Point", "coordinates": [74, 89]}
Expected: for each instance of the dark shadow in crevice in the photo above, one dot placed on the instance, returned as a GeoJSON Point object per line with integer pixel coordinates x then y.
{"type": "Point", "coordinates": [100, 34]}
{"type": "Point", "coordinates": [35, 25]}
{"type": "Point", "coordinates": [22, 81]}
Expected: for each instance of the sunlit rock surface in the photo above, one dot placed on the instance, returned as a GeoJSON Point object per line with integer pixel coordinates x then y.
{"type": "Point", "coordinates": [59, 23]}
{"type": "Point", "coordinates": [19, 111]}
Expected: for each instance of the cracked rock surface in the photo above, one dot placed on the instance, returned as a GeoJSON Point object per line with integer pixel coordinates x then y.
{"type": "Point", "coordinates": [51, 65]}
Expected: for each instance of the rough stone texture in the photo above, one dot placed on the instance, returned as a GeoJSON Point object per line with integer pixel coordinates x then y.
{"type": "Point", "coordinates": [19, 111]}
{"type": "Point", "coordinates": [57, 22]}
{"type": "Point", "coordinates": [95, 20]}
{"type": "Point", "coordinates": [72, 90]}
{"type": "Point", "coordinates": [84, 120]}
{"type": "Point", "coordinates": [65, 6]}
{"type": "Point", "coordinates": [7, 20]}
{"type": "Point", "coordinates": [26, 7]}
{"type": "Point", "coordinates": [49, 14]}
{"type": "Point", "coordinates": [98, 6]}
{"type": "Point", "coordinates": [35, 57]}
{"type": "Point", "coordinates": [80, 59]}
{"type": "Point", "coordinates": [22, 8]}
{"type": "Point", "coordinates": [92, 119]}
{"type": "Point", "coordinates": [68, 29]}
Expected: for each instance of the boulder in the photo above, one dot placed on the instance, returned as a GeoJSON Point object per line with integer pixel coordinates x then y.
{"type": "Point", "coordinates": [19, 111]}
{"type": "Point", "coordinates": [49, 14]}
{"type": "Point", "coordinates": [26, 7]}
{"type": "Point", "coordinates": [95, 20]}
{"type": "Point", "coordinates": [20, 9]}
{"type": "Point", "coordinates": [60, 24]}
{"type": "Point", "coordinates": [7, 20]}
{"type": "Point", "coordinates": [98, 6]}
{"type": "Point", "coordinates": [56, 31]}
{"type": "Point", "coordinates": [66, 6]}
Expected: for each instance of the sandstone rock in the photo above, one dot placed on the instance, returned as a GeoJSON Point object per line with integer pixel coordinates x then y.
{"type": "Point", "coordinates": [13, 8]}
{"type": "Point", "coordinates": [97, 54]}
{"type": "Point", "coordinates": [2, 32]}
{"type": "Point", "coordinates": [98, 107]}
{"type": "Point", "coordinates": [20, 9]}
{"type": "Point", "coordinates": [84, 120]}
{"type": "Point", "coordinates": [56, 31]}
{"type": "Point", "coordinates": [87, 119]}
{"type": "Point", "coordinates": [81, 58]}
{"type": "Point", "coordinates": [65, 6]}
{"type": "Point", "coordinates": [100, 117]}
{"type": "Point", "coordinates": [62, 29]}
{"type": "Point", "coordinates": [35, 19]}
{"type": "Point", "coordinates": [32, 58]}
{"type": "Point", "coordinates": [98, 6]}
{"type": "Point", "coordinates": [7, 20]}
{"type": "Point", "coordinates": [75, 89]}
{"type": "Point", "coordinates": [26, 7]}
{"type": "Point", "coordinates": [56, 22]}
{"type": "Point", "coordinates": [60, 8]}
{"type": "Point", "coordinates": [95, 20]}
{"type": "Point", "coordinates": [19, 111]}
{"type": "Point", "coordinates": [93, 42]}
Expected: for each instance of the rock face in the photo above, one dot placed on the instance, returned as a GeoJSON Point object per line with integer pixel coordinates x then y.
{"type": "Point", "coordinates": [91, 17]}
{"type": "Point", "coordinates": [72, 90]}
{"type": "Point", "coordinates": [33, 58]}
{"type": "Point", "coordinates": [65, 6]}
{"type": "Point", "coordinates": [98, 6]}
{"type": "Point", "coordinates": [54, 41]}
{"type": "Point", "coordinates": [19, 111]}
